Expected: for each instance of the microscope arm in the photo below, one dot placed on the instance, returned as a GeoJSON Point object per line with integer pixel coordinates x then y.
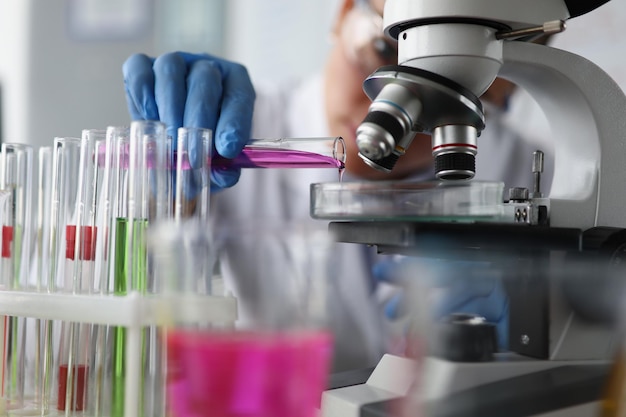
{"type": "Point", "coordinates": [586, 110]}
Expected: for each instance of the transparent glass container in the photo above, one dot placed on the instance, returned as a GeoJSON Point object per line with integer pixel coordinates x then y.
{"type": "Point", "coordinates": [391, 200]}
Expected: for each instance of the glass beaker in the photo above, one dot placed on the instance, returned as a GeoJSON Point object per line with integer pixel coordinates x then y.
{"type": "Point", "coordinates": [275, 362]}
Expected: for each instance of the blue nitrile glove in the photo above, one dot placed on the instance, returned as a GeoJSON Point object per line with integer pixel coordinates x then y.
{"type": "Point", "coordinates": [183, 89]}
{"type": "Point", "coordinates": [457, 287]}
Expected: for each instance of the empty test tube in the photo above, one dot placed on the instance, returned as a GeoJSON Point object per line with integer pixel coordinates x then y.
{"type": "Point", "coordinates": [44, 197]}
{"type": "Point", "coordinates": [193, 169]}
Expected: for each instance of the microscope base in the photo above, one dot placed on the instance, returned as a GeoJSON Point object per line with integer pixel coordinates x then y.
{"type": "Point", "coordinates": [456, 382]}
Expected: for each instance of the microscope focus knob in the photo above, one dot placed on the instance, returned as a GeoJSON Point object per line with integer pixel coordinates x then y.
{"type": "Point", "coordinates": [465, 338]}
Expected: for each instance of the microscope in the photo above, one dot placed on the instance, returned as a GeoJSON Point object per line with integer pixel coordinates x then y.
{"type": "Point", "coordinates": [561, 253]}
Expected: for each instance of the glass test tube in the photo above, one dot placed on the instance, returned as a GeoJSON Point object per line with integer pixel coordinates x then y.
{"type": "Point", "coordinates": [322, 152]}
{"type": "Point", "coordinates": [112, 158]}
{"type": "Point", "coordinates": [106, 173]}
{"type": "Point", "coordinates": [193, 170]}
{"type": "Point", "coordinates": [81, 238]}
{"type": "Point", "coordinates": [193, 180]}
{"type": "Point", "coordinates": [44, 197]}
{"type": "Point", "coordinates": [90, 191]}
{"type": "Point", "coordinates": [65, 187]}
{"type": "Point", "coordinates": [154, 187]}
{"type": "Point", "coordinates": [64, 196]}
{"type": "Point", "coordinates": [183, 254]}
{"type": "Point", "coordinates": [5, 267]}
{"type": "Point", "coordinates": [149, 200]}
{"type": "Point", "coordinates": [97, 333]}
{"type": "Point", "coordinates": [115, 208]}
{"type": "Point", "coordinates": [16, 164]}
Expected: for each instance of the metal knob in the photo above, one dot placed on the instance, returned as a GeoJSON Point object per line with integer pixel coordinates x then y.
{"type": "Point", "coordinates": [465, 338]}
{"type": "Point", "coordinates": [538, 158]}
{"type": "Point", "coordinates": [518, 194]}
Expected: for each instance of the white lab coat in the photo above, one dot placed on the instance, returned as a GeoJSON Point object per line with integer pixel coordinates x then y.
{"type": "Point", "coordinates": [282, 196]}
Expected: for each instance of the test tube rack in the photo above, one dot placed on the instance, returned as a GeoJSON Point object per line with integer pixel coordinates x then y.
{"type": "Point", "coordinates": [133, 311]}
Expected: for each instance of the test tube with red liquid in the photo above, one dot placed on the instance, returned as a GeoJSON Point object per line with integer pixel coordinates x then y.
{"type": "Point", "coordinates": [5, 269]}
{"type": "Point", "coordinates": [81, 240]}
{"type": "Point", "coordinates": [66, 158]}
{"type": "Point", "coordinates": [74, 348]}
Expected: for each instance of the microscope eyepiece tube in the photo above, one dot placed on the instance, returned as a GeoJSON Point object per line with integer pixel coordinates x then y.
{"type": "Point", "coordinates": [454, 149]}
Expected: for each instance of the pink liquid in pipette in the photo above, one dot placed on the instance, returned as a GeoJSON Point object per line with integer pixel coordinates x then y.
{"type": "Point", "coordinates": [247, 374]}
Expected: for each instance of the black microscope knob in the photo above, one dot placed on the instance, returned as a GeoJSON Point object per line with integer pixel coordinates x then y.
{"type": "Point", "coordinates": [463, 337]}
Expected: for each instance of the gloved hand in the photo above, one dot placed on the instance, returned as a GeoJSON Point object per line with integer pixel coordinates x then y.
{"type": "Point", "coordinates": [183, 89]}
{"type": "Point", "coordinates": [454, 287]}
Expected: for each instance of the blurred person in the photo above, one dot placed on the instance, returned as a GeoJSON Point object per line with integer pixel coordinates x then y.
{"type": "Point", "coordinates": [184, 89]}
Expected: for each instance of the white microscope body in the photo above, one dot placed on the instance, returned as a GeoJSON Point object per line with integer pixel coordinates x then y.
{"type": "Point", "coordinates": [450, 51]}
{"type": "Point", "coordinates": [466, 42]}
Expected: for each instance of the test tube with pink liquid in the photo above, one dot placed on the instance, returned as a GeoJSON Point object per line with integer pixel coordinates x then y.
{"type": "Point", "coordinates": [315, 152]}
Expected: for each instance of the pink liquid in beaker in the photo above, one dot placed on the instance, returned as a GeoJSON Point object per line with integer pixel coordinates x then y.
{"type": "Point", "coordinates": [247, 374]}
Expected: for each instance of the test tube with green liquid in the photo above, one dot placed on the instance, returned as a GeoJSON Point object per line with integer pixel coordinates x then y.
{"type": "Point", "coordinates": [109, 206]}
{"type": "Point", "coordinates": [112, 380]}
{"type": "Point", "coordinates": [149, 195]}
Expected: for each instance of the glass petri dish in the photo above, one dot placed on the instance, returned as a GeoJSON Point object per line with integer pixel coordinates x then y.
{"type": "Point", "coordinates": [464, 201]}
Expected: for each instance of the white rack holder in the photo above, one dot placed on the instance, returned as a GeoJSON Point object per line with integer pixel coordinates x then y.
{"type": "Point", "coordinates": [133, 311]}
